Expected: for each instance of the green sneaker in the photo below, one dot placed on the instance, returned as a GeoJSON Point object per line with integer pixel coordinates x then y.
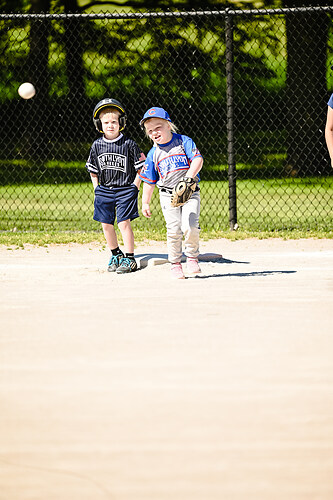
{"type": "Point", "coordinates": [127, 266]}
{"type": "Point", "coordinates": [114, 262]}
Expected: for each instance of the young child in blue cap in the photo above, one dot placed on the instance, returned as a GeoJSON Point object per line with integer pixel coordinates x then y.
{"type": "Point", "coordinates": [329, 128]}
{"type": "Point", "coordinates": [173, 157]}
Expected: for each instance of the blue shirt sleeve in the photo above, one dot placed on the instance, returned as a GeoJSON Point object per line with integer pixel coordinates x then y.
{"type": "Point", "coordinates": [191, 149]}
{"type": "Point", "coordinates": [330, 102]}
{"type": "Point", "coordinates": [148, 172]}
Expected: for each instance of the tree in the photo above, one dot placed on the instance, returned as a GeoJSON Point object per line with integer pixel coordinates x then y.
{"type": "Point", "coordinates": [307, 40]}
{"type": "Point", "coordinates": [37, 63]}
{"type": "Point", "coordinates": [74, 58]}
{"type": "Point", "coordinates": [181, 63]}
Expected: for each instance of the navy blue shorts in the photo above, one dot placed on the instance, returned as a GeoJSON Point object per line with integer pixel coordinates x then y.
{"type": "Point", "coordinates": [111, 202]}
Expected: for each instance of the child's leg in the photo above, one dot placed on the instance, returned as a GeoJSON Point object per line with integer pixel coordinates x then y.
{"type": "Point", "coordinates": [127, 210]}
{"type": "Point", "coordinates": [190, 226]}
{"type": "Point", "coordinates": [110, 235]}
{"type": "Point", "coordinates": [128, 263]}
{"type": "Point", "coordinates": [127, 234]}
{"type": "Point", "coordinates": [172, 218]}
{"type": "Point", "coordinates": [112, 243]}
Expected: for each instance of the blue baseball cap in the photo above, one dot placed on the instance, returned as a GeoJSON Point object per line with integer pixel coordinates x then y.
{"type": "Point", "coordinates": [155, 113]}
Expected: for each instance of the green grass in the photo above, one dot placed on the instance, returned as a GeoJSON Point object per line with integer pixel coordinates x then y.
{"type": "Point", "coordinates": [62, 213]}
{"type": "Point", "coordinates": [42, 238]}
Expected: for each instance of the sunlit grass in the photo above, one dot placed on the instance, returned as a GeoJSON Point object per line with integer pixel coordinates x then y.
{"type": "Point", "coordinates": [287, 208]}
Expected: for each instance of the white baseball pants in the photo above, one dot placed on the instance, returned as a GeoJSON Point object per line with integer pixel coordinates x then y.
{"type": "Point", "coordinates": [182, 221]}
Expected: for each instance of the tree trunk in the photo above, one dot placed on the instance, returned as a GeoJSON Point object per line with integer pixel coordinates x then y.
{"type": "Point", "coordinates": [307, 37]}
{"type": "Point", "coordinates": [38, 74]}
{"type": "Point", "coordinates": [39, 48]}
{"type": "Point", "coordinates": [74, 49]}
{"type": "Point", "coordinates": [74, 52]}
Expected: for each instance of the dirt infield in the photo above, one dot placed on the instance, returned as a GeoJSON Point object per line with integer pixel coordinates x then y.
{"type": "Point", "coordinates": [140, 387]}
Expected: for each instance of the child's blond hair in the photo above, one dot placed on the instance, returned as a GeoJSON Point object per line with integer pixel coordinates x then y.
{"type": "Point", "coordinates": [172, 126]}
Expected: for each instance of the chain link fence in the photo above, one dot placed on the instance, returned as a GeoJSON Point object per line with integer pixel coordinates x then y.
{"type": "Point", "coordinates": [249, 86]}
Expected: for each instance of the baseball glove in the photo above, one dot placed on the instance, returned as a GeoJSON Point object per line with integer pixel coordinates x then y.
{"type": "Point", "coordinates": [183, 191]}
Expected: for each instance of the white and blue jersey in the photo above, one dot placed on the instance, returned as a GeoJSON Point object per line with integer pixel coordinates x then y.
{"type": "Point", "coordinates": [330, 102]}
{"type": "Point", "coordinates": [167, 163]}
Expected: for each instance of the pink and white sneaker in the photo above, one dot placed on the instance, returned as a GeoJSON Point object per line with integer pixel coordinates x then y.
{"type": "Point", "coordinates": [177, 271]}
{"type": "Point", "coordinates": [193, 266]}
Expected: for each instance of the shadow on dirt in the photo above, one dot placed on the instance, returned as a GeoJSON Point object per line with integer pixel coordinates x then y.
{"type": "Point", "coordinates": [242, 275]}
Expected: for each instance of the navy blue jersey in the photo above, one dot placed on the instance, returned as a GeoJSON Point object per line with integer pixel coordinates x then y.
{"type": "Point", "coordinates": [115, 162]}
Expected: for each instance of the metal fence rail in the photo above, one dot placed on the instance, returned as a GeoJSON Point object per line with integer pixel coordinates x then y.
{"type": "Point", "coordinates": [250, 87]}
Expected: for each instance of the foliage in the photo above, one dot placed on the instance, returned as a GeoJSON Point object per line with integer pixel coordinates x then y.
{"type": "Point", "coordinates": [113, 53]}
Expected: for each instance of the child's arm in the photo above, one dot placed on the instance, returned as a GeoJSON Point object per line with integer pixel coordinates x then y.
{"type": "Point", "coordinates": [94, 180]}
{"type": "Point", "coordinates": [329, 132]}
{"type": "Point", "coordinates": [146, 197]}
{"type": "Point", "coordinates": [137, 181]}
{"type": "Point", "coordinates": [195, 167]}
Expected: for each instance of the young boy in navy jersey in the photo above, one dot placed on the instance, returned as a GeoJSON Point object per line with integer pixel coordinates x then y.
{"type": "Point", "coordinates": [172, 157]}
{"type": "Point", "coordinates": [113, 164]}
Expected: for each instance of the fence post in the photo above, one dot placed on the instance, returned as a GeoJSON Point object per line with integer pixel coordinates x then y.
{"type": "Point", "coordinates": [229, 54]}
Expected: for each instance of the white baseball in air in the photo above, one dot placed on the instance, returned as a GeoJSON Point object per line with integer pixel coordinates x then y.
{"type": "Point", "coordinates": [26, 90]}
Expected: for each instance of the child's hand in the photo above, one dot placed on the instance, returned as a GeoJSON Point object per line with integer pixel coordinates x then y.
{"type": "Point", "coordinates": [146, 210]}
